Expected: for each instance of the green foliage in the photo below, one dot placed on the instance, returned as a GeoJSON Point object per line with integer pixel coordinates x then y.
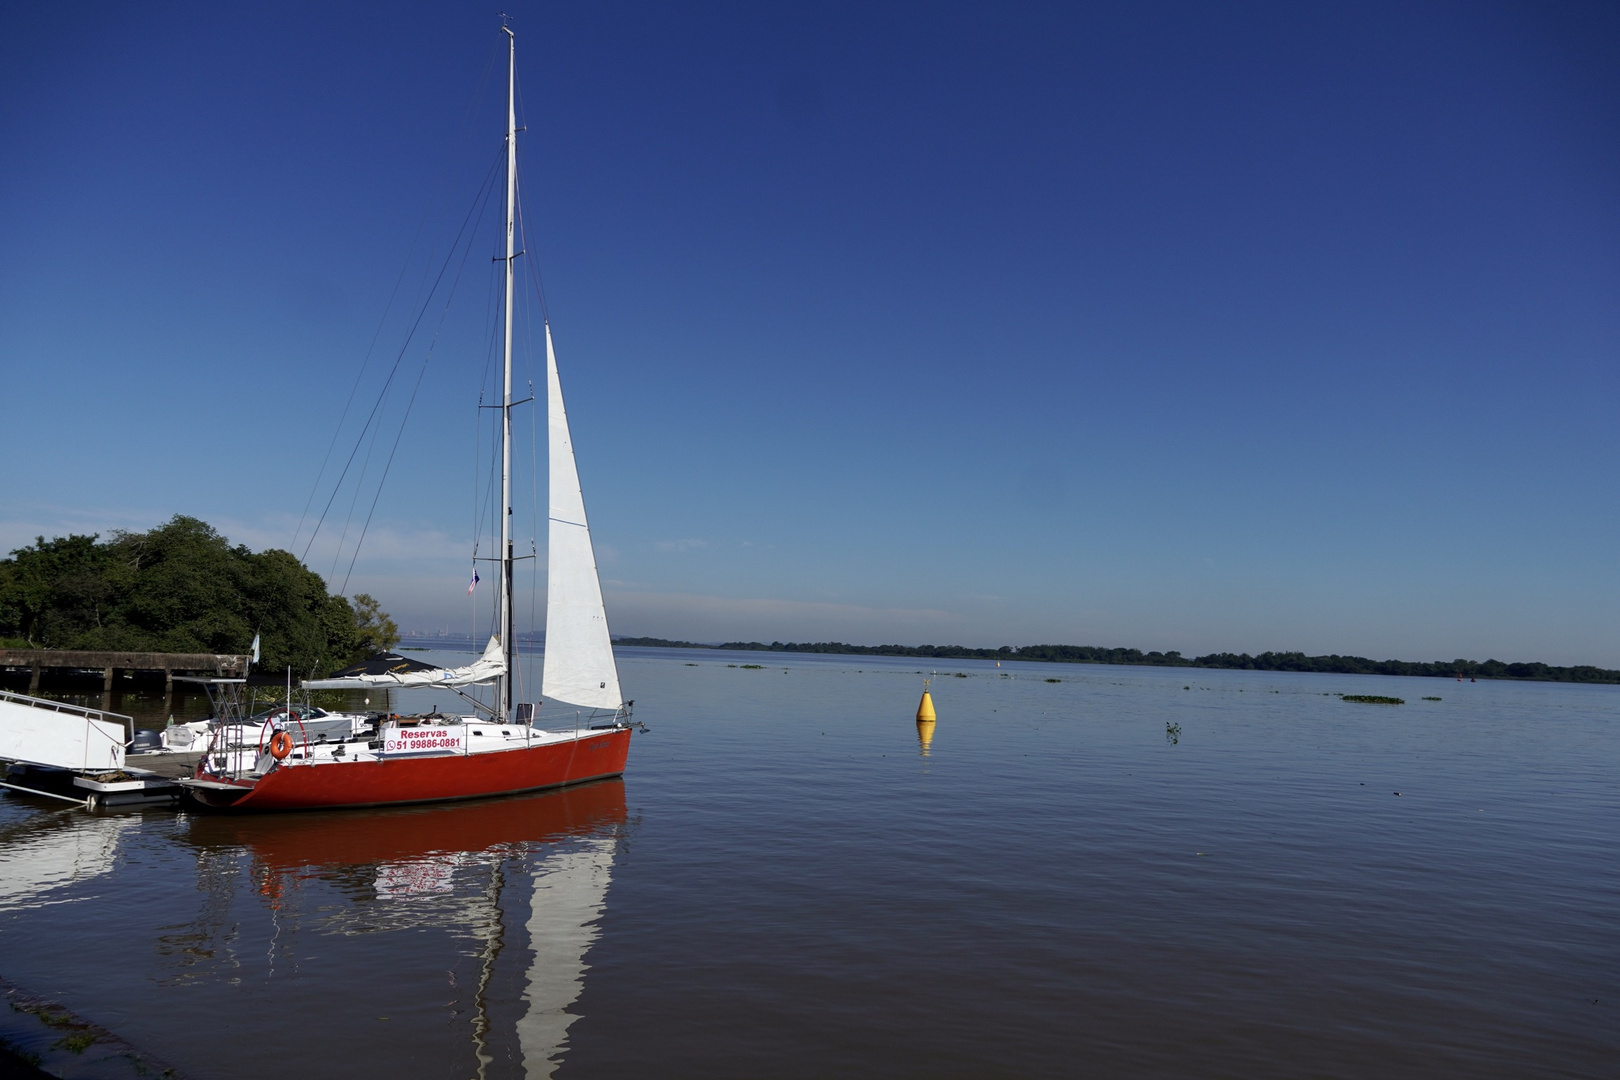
{"type": "Point", "coordinates": [1374, 699]}
{"type": "Point", "coordinates": [182, 587]}
{"type": "Point", "coordinates": [375, 632]}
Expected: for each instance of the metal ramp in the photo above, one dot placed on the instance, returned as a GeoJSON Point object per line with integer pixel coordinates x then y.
{"type": "Point", "coordinates": [35, 731]}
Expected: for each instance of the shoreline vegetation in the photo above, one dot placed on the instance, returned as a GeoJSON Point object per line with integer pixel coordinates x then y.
{"type": "Point", "coordinates": [1091, 654]}
{"type": "Point", "coordinates": [182, 587]}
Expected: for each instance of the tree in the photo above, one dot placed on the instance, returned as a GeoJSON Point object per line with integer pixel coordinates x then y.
{"type": "Point", "coordinates": [56, 591]}
{"type": "Point", "coordinates": [375, 632]}
{"type": "Point", "coordinates": [182, 587]}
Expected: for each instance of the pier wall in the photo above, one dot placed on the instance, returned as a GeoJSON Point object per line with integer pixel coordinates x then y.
{"type": "Point", "coordinates": [37, 661]}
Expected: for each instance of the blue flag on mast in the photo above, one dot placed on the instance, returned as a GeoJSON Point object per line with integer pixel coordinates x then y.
{"type": "Point", "coordinates": [473, 584]}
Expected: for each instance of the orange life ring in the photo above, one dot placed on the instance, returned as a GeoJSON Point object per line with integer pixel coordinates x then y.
{"type": "Point", "coordinates": [280, 745]}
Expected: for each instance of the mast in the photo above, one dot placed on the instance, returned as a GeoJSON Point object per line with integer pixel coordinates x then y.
{"type": "Point", "coordinates": [503, 689]}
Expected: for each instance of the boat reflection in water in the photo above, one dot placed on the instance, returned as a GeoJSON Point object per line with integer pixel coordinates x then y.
{"type": "Point", "coordinates": [517, 884]}
{"type": "Point", "coordinates": [43, 857]}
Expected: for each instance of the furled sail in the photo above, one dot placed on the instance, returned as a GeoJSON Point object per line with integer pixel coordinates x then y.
{"type": "Point", "coordinates": [579, 667]}
{"type": "Point", "coordinates": [391, 671]}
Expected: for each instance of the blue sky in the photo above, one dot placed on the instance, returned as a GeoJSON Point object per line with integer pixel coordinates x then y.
{"type": "Point", "coordinates": [1179, 326]}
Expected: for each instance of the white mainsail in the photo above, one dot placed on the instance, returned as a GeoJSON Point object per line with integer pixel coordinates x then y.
{"type": "Point", "coordinates": [579, 667]}
{"type": "Point", "coordinates": [486, 669]}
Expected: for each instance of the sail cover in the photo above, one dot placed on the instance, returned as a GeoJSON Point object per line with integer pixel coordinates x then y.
{"type": "Point", "coordinates": [387, 670]}
{"type": "Point", "coordinates": [579, 668]}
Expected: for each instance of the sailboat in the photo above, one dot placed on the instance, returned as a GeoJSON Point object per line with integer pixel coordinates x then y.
{"type": "Point", "coordinates": [501, 748]}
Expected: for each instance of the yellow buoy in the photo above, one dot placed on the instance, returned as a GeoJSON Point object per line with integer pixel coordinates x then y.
{"type": "Point", "coordinates": [925, 707]}
{"type": "Point", "coordinates": [925, 720]}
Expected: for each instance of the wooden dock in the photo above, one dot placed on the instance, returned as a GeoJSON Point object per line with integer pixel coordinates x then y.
{"type": "Point", "coordinates": [219, 665]}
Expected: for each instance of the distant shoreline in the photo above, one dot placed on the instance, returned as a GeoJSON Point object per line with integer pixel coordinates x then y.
{"type": "Point", "coordinates": [1091, 654]}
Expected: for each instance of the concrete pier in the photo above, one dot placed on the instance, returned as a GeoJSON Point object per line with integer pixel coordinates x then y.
{"type": "Point", "coordinates": [221, 665]}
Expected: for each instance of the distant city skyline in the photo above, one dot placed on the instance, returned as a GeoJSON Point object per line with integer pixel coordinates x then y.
{"type": "Point", "coordinates": [1159, 326]}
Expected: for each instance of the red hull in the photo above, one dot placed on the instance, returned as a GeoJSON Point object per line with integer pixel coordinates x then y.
{"type": "Point", "coordinates": [428, 779]}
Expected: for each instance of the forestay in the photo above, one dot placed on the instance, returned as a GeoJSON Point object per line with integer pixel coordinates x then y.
{"type": "Point", "coordinates": [579, 667]}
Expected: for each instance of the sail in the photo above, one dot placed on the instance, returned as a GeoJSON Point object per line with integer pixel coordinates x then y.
{"type": "Point", "coordinates": [579, 667]}
{"type": "Point", "coordinates": [401, 671]}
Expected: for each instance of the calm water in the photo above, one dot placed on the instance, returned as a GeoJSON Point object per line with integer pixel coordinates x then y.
{"type": "Point", "coordinates": [786, 885]}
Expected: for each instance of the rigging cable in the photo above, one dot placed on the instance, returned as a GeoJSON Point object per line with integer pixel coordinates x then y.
{"type": "Point", "coordinates": [359, 486]}
{"type": "Point", "coordinates": [491, 500]}
{"type": "Point", "coordinates": [532, 267]}
{"type": "Point", "coordinates": [456, 154]}
{"type": "Point", "coordinates": [484, 493]}
{"type": "Point", "coordinates": [478, 204]}
{"type": "Point", "coordinates": [537, 281]}
{"type": "Point", "coordinates": [449, 298]}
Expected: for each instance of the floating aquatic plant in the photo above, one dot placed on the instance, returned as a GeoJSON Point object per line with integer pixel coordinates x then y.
{"type": "Point", "coordinates": [76, 1043]}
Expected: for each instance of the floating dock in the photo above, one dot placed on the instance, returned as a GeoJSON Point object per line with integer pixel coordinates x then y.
{"type": "Point", "coordinates": [68, 752]}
